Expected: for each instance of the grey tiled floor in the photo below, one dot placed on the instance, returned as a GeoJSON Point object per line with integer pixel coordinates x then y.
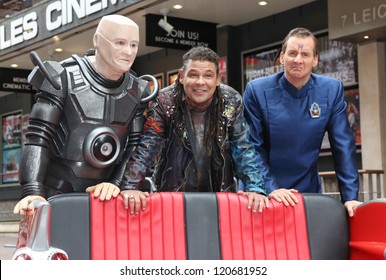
{"type": "Point", "coordinates": [7, 245]}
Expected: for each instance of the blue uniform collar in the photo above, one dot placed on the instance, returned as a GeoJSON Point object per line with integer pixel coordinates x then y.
{"type": "Point", "coordinates": [293, 91]}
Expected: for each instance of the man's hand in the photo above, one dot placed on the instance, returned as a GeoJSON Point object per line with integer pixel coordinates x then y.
{"type": "Point", "coordinates": [286, 196]}
{"type": "Point", "coordinates": [104, 191]}
{"type": "Point", "coordinates": [256, 201]}
{"type": "Point", "coordinates": [134, 199]}
{"type": "Point", "coordinates": [25, 205]}
{"type": "Point", "coordinates": [351, 205]}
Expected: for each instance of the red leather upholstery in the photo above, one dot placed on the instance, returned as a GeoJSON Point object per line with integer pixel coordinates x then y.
{"type": "Point", "coordinates": [368, 231]}
{"type": "Point", "coordinates": [158, 232]}
{"type": "Point", "coordinates": [200, 226]}
{"type": "Point", "coordinates": [280, 233]}
{"type": "Point", "coordinates": [155, 234]}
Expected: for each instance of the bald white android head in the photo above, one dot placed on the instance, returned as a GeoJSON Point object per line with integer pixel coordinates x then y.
{"type": "Point", "coordinates": [116, 42]}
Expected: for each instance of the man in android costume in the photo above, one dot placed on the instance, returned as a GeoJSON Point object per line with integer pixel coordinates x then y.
{"type": "Point", "coordinates": [87, 118]}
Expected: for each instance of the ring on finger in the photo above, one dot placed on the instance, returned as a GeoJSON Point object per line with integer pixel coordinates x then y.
{"type": "Point", "coordinates": [131, 197]}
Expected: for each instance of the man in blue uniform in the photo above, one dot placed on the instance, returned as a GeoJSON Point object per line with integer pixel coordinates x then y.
{"type": "Point", "coordinates": [289, 113]}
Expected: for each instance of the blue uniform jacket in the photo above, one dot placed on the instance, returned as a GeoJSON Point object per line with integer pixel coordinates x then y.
{"type": "Point", "coordinates": [287, 128]}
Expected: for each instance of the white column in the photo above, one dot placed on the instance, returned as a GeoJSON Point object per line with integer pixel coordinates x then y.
{"type": "Point", "coordinates": [372, 97]}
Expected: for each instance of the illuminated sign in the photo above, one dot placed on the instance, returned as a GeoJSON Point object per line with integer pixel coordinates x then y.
{"type": "Point", "coordinates": [348, 18]}
{"type": "Point", "coordinates": [50, 18]}
{"type": "Point", "coordinates": [184, 33]}
{"type": "Point", "coordinates": [15, 80]}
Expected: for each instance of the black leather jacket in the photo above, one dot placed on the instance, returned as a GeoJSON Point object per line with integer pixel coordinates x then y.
{"type": "Point", "coordinates": [166, 138]}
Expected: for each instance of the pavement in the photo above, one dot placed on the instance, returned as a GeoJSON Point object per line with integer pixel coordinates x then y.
{"type": "Point", "coordinates": [7, 245]}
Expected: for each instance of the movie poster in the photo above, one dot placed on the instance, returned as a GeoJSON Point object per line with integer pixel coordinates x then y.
{"type": "Point", "coordinates": [11, 146]}
{"type": "Point", "coordinates": [11, 130]}
{"type": "Point", "coordinates": [24, 126]}
{"type": "Point", "coordinates": [351, 97]}
{"type": "Point", "coordinates": [11, 160]}
{"type": "Point", "coordinates": [222, 63]}
{"type": "Point", "coordinates": [172, 76]}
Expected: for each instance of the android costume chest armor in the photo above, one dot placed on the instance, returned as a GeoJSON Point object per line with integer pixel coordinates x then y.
{"type": "Point", "coordinates": [81, 129]}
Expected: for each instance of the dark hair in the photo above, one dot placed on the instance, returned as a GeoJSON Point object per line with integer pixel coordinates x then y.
{"type": "Point", "coordinates": [200, 53]}
{"type": "Point", "coordinates": [300, 32]}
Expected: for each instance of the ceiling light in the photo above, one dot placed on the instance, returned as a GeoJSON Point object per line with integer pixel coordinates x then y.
{"type": "Point", "coordinates": [177, 7]}
{"type": "Point", "coordinates": [58, 49]}
{"type": "Point", "coordinates": [165, 25]}
{"type": "Point", "coordinates": [262, 3]}
{"type": "Point", "coordinates": [366, 36]}
{"type": "Point", "coordinates": [14, 65]}
{"type": "Point", "coordinates": [163, 22]}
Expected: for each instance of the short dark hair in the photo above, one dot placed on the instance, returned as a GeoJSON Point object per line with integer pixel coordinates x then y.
{"type": "Point", "coordinates": [200, 53]}
{"type": "Point", "coordinates": [300, 32]}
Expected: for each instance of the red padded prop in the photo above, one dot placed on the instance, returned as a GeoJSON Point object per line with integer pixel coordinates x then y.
{"type": "Point", "coordinates": [368, 231]}
{"type": "Point", "coordinates": [279, 233]}
{"type": "Point", "coordinates": [158, 233]}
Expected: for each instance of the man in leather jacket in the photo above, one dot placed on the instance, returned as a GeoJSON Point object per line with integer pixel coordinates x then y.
{"type": "Point", "coordinates": [87, 117]}
{"type": "Point", "coordinates": [196, 128]}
